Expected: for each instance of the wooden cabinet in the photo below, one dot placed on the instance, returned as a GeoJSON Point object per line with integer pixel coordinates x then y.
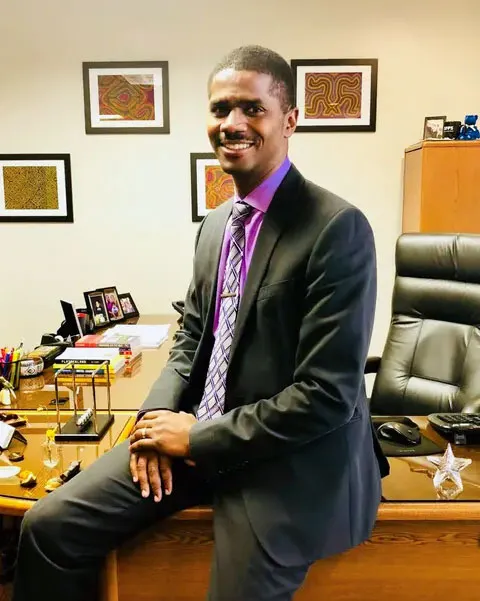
{"type": "Point", "coordinates": [442, 187]}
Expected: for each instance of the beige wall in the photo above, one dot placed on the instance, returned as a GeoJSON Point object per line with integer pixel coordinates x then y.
{"type": "Point", "coordinates": [132, 193]}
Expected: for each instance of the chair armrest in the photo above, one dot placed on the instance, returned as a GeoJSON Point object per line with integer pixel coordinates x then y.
{"type": "Point", "coordinates": [372, 365]}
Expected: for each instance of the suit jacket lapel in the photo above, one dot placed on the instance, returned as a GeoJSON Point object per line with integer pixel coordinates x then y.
{"type": "Point", "coordinates": [215, 230]}
{"type": "Point", "coordinates": [275, 220]}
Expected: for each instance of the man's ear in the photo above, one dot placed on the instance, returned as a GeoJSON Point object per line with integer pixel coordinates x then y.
{"type": "Point", "coordinates": [290, 122]}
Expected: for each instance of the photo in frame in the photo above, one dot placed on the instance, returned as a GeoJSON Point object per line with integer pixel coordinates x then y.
{"type": "Point", "coordinates": [112, 302]}
{"type": "Point", "coordinates": [129, 308]}
{"type": "Point", "coordinates": [36, 188]}
{"type": "Point", "coordinates": [451, 129]}
{"type": "Point", "coordinates": [126, 97]}
{"type": "Point", "coordinates": [336, 94]}
{"type": "Point", "coordinates": [211, 186]}
{"type": "Point", "coordinates": [97, 308]}
{"type": "Point", "coordinates": [433, 127]}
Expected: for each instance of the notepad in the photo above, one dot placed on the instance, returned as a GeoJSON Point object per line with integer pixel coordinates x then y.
{"type": "Point", "coordinates": [151, 336]}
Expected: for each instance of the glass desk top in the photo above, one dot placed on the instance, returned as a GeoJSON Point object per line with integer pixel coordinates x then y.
{"type": "Point", "coordinates": [34, 432]}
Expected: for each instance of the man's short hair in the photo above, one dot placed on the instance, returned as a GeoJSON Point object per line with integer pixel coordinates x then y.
{"type": "Point", "coordinates": [262, 60]}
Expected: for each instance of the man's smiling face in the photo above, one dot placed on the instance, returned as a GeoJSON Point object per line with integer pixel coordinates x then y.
{"type": "Point", "coordinates": [247, 126]}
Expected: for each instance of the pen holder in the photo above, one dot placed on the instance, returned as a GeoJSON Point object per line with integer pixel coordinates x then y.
{"type": "Point", "coordinates": [10, 370]}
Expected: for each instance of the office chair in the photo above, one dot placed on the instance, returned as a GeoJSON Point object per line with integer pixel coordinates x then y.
{"type": "Point", "coordinates": [431, 359]}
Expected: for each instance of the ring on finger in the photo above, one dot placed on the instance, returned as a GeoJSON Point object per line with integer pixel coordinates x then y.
{"type": "Point", "coordinates": [144, 433]}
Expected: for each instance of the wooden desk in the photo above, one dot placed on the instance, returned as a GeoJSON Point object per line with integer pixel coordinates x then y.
{"type": "Point", "coordinates": [127, 392]}
{"type": "Point", "coordinates": [419, 547]}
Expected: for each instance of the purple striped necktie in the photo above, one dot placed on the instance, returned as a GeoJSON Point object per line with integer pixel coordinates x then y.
{"type": "Point", "coordinates": [213, 400]}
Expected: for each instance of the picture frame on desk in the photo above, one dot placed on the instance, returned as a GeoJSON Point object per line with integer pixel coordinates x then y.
{"type": "Point", "coordinates": [211, 186]}
{"type": "Point", "coordinates": [112, 302]}
{"type": "Point", "coordinates": [129, 307]}
{"type": "Point", "coordinates": [97, 308]}
{"type": "Point", "coordinates": [336, 95]}
{"type": "Point", "coordinates": [36, 188]}
{"type": "Point", "coordinates": [126, 97]}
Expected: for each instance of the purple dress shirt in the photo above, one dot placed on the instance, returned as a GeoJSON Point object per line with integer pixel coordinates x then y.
{"type": "Point", "coordinates": [260, 200]}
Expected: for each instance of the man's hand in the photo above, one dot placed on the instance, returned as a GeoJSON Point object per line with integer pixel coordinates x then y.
{"type": "Point", "coordinates": [164, 432]}
{"type": "Point", "coordinates": [151, 471]}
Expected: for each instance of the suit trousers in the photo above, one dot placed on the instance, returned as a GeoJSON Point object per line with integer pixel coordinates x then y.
{"type": "Point", "coordinates": [66, 536]}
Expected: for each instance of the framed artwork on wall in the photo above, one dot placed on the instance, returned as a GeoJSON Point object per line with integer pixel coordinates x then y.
{"type": "Point", "coordinates": [336, 94]}
{"type": "Point", "coordinates": [211, 186]}
{"type": "Point", "coordinates": [126, 97]}
{"type": "Point", "coordinates": [36, 188]}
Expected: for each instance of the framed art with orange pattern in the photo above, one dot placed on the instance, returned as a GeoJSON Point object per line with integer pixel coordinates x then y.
{"type": "Point", "coordinates": [336, 94]}
{"type": "Point", "coordinates": [126, 97]}
{"type": "Point", "coordinates": [36, 188]}
{"type": "Point", "coordinates": [211, 186]}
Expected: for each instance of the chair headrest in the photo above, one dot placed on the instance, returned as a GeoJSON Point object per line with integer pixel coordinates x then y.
{"type": "Point", "coordinates": [439, 256]}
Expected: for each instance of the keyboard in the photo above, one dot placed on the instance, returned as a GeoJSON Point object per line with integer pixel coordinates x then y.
{"type": "Point", "coordinates": [462, 428]}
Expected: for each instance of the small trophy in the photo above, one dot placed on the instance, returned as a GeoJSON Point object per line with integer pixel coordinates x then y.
{"type": "Point", "coordinates": [447, 480]}
{"type": "Point", "coordinates": [89, 425]}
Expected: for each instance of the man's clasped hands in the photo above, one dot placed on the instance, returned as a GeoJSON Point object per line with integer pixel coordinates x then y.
{"type": "Point", "coordinates": [155, 439]}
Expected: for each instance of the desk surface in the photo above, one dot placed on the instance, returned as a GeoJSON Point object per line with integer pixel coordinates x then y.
{"type": "Point", "coordinates": [127, 391]}
{"type": "Point", "coordinates": [411, 478]}
{"type": "Point", "coordinates": [16, 500]}
{"type": "Point", "coordinates": [409, 484]}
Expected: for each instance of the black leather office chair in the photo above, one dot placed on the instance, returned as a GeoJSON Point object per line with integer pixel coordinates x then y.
{"type": "Point", "coordinates": [431, 359]}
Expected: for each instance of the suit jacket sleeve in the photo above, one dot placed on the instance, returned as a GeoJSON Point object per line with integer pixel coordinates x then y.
{"type": "Point", "coordinates": [172, 384]}
{"type": "Point", "coordinates": [334, 337]}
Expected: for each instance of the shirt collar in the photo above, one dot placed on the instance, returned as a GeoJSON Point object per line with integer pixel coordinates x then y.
{"type": "Point", "coordinates": [261, 197]}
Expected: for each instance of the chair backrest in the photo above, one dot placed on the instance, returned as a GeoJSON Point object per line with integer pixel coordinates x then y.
{"type": "Point", "coordinates": [431, 360]}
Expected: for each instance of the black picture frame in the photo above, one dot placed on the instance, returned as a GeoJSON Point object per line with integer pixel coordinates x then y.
{"type": "Point", "coordinates": [428, 127]}
{"type": "Point", "coordinates": [367, 120]}
{"type": "Point", "coordinates": [96, 123]}
{"type": "Point", "coordinates": [207, 196]}
{"type": "Point", "coordinates": [451, 129]}
{"type": "Point", "coordinates": [97, 312]}
{"type": "Point", "coordinates": [126, 296]}
{"type": "Point", "coordinates": [109, 291]}
{"type": "Point", "coordinates": [28, 180]}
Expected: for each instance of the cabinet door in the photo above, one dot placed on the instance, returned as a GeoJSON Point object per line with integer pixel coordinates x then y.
{"type": "Point", "coordinates": [451, 189]}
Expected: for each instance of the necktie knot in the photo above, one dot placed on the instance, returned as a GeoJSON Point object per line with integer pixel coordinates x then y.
{"type": "Point", "coordinates": [240, 213]}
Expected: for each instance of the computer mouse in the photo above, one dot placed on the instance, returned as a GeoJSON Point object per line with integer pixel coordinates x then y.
{"type": "Point", "coordinates": [399, 433]}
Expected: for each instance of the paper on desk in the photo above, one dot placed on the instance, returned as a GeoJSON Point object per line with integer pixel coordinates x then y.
{"type": "Point", "coordinates": [151, 336]}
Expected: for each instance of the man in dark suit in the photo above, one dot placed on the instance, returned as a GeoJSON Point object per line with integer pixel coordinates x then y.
{"type": "Point", "coordinates": [261, 408]}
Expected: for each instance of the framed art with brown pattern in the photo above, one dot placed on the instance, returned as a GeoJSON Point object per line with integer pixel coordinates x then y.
{"type": "Point", "coordinates": [36, 187]}
{"type": "Point", "coordinates": [336, 94]}
{"type": "Point", "coordinates": [211, 186]}
{"type": "Point", "coordinates": [126, 97]}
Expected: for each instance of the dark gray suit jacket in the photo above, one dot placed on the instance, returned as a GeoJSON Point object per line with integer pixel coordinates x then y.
{"type": "Point", "coordinates": [296, 435]}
